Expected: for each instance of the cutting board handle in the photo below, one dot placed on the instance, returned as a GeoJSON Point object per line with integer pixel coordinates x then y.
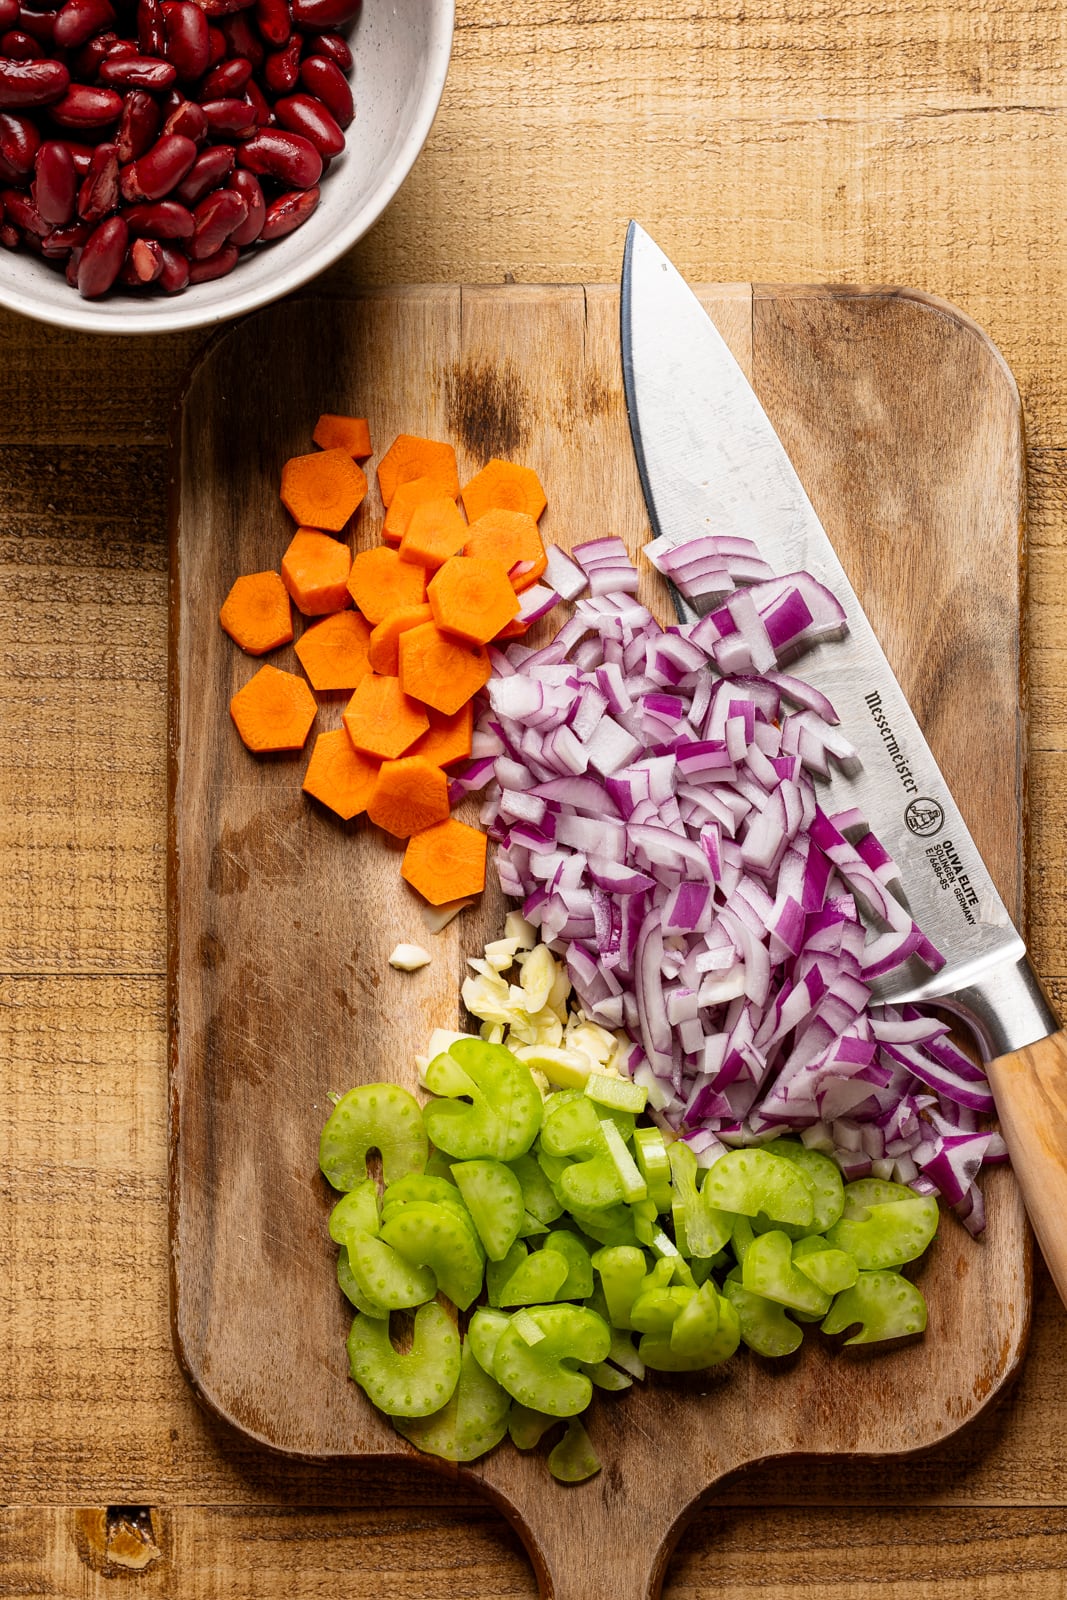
{"type": "Point", "coordinates": [586, 1544]}
{"type": "Point", "coordinates": [1030, 1086]}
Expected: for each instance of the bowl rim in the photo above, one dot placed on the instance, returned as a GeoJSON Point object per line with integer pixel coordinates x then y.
{"type": "Point", "coordinates": [175, 317]}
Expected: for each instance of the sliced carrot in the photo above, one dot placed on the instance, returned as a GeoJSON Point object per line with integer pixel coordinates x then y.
{"type": "Point", "coordinates": [407, 497]}
{"type": "Point", "coordinates": [472, 598]}
{"type": "Point", "coordinates": [274, 711]}
{"type": "Point", "coordinates": [322, 490]}
{"type": "Point", "coordinates": [350, 434]}
{"type": "Point", "coordinates": [339, 775]}
{"type": "Point", "coordinates": [443, 673]}
{"type": "Point", "coordinates": [448, 738]}
{"type": "Point", "coordinates": [380, 582]}
{"type": "Point", "coordinates": [512, 538]}
{"type": "Point", "coordinates": [384, 653]}
{"type": "Point", "coordinates": [315, 571]}
{"type": "Point", "coordinates": [411, 457]}
{"type": "Point", "coordinates": [382, 720]}
{"type": "Point", "coordinates": [435, 531]}
{"type": "Point", "coordinates": [504, 486]}
{"type": "Point", "coordinates": [334, 652]}
{"type": "Point", "coordinates": [514, 630]}
{"type": "Point", "coordinates": [446, 862]}
{"type": "Point", "coordinates": [256, 613]}
{"type": "Point", "coordinates": [409, 795]}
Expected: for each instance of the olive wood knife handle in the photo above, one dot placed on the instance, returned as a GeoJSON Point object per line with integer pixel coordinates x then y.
{"type": "Point", "coordinates": [1030, 1087]}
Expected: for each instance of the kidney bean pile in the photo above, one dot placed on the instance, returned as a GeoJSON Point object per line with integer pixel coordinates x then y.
{"type": "Point", "coordinates": [147, 143]}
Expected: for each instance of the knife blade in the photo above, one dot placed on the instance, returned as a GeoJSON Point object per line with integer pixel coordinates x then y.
{"type": "Point", "coordinates": [710, 460]}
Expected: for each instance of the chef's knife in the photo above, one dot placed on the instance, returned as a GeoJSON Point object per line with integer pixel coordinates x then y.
{"type": "Point", "coordinates": [711, 462]}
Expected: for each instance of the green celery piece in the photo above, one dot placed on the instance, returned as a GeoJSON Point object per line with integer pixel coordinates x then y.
{"type": "Point", "coordinates": [828, 1189]}
{"type": "Point", "coordinates": [620, 1094]}
{"type": "Point", "coordinates": [700, 1268]}
{"type": "Point", "coordinates": [493, 1196]}
{"type": "Point", "coordinates": [355, 1212]}
{"type": "Point", "coordinates": [655, 1310]}
{"type": "Point", "coordinates": [531, 1228]}
{"type": "Point", "coordinates": [497, 1273]}
{"type": "Point", "coordinates": [765, 1326]}
{"type": "Point", "coordinates": [645, 1215]}
{"type": "Point", "coordinates": [829, 1269]}
{"type": "Point", "coordinates": [768, 1270]}
{"type": "Point", "coordinates": [742, 1235]}
{"type": "Point", "coordinates": [351, 1290]}
{"type": "Point", "coordinates": [525, 1325]}
{"type": "Point", "coordinates": [528, 1427]}
{"type": "Point", "coordinates": [432, 1235]}
{"type": "Point", "coordinates": [471, 1422]}
{"type": "Point", "coordinates": [623, 1354]}
{"type": "Point", "coordinates": [700, 1229]}
{"type": "Point", "coordinates": [634, 1187]}
{"type": "Point", "coordinates": [573, 1459]}
{"type": "Point", "coordinates": [611, 1225]}
{"type": "Point", "coordinates": [538, 1196]}
{"type": "Point", "coordinates": [890, 1234]}
{"type": "Point", "coordinates": [752, 1180]}
{"type": "Point", "coordinates": [411, 1385]}
{"type": "Point", "coordinates": [622, 1269]}
{"type": "Point", "coordinates": [659, 1351]}
{"type": "Point", "coordinates": [538, 1278]}
{"type": "Point", "coordinates": [604, 1376]}
{"type": "Point", "coordinates": [695, 1331]}
{"type": "Point", "coordinates": [591, 1181]}
{"type": "Point", "coordinates": [664, 1249]}
{"type": "Point", "coordinates": [862, 1193]}
{"type": "Point", "coordinates": [885, 1304]}
{"type": "Point", "coordinates": [386, 1278]}
{"type": "Point", "coordinates": [538, 1375]}
{"type": "Point", "coordinates": [653, 1163]}
{"type": "Point", "coordinates": [483, 1330]}
{"type": "Point", "coordinates": [504, 1113]}
{"type": "Point", "coordinates": [579, 1280]}
{"type": "Point", "coordinates": [373, 1116]}
{"type": "Point", "coordinates": [425, 1186]}
{"type": "Point", "coordinates": [445, 1076]}
{"type": "Point", "coordinates": [438, 1165]}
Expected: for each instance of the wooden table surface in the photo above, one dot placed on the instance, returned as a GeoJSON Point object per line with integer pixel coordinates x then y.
{"type": "Point", "coordinates": [919, 142]}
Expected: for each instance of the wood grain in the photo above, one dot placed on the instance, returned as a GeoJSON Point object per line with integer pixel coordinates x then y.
{"type": "Point", "coordinates": [282, 923]}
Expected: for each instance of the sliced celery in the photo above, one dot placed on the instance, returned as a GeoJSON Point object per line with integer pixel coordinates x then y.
{"type": "Point", "coordinates": [634, 1187]}
{"type": "Point", "coordinates": [373, 1116]}
{"type": "Point", "coordinates": [650, 1153]}
{"type": "Point", "coordinates": [528, 1427]}
{"type": "Point", "coordinates": [830, 1269]}
{"type": "Point", "coordinates": [431, 1235]}
{"type": "Point", "coordinates": [411, 1385]}
{"type": "Point", "coordinates": [355, 1212]}
{"type": "Point", "coordinates": [538, 1278]}
{"type": "Point", "coordinates": [765, 1326]}
{"type": "Point", "coordinates": [750, 1181]}
{"type": "Point", "coordinates": [352, 1292]}
{"type": "Point", "coordinates": [885, 1304]}
{"type": "Point", "coordinates": [493, 1196]}
{"type": "Point", "coordinates": [504, 1113]}
{"type": "Point", "coordinates": [483, 1330]}
{"type": "Point", "coordinates": [768, 1270]}
{"type": "Point", "coordinates": [472, 1421]}
{"type": "Point", "coordinates": [579, 1280]}
{"type": "Point", "coordinates": [889, 1235]}
{"type": "Point", "coordinates": [386, 1278]}
{"type": "Point", "coordinates": [573, 1460]}
{"type": "Point", "coordinates": [538, 1196]}
{"type": "Point", "coordinates": [828, 1190]}
{"type": "Point", "coordinates": [619, 1093]}
{"type": "Point", "coordinates": [538, 1375]}
{"type": "Point", "coordinates": [622, 1270]}
{"type": "Point", "coordinates": [498, 1273]}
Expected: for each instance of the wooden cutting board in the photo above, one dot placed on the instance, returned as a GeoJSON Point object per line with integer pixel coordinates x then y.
{"type": "Point", "coordinates": [905, 426]}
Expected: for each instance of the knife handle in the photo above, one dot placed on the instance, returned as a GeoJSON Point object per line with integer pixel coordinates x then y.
{"type": "Point", "coordinates": [1030, 1088]}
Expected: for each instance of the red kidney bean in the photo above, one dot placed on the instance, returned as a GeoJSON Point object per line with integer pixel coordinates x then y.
{"type": "Point", "coordinates": [119, 49]}
{"type": "Point", "coordinates": [139, 126]}
{"type": "Point", "coordinates": [242, 39]}
{"type": "Point", "coordinates": [86, 63]}
{"type": "Point", "coordinates": [55, 183]}
{"type": "Point", "coordinates": [288, 212]}
{"type": "Point", "coordinates": [216, 266]}
{"type": "Point", "coordinates": [211, 168]}
{"type": "Point", "coordinates": [302, 113]}
{"type": "Point", "coordinates": [228, 78]}
{"type": "Point", "coordinates": [289, 157]}
{"type": "Point", "coordinates": [328, 83]}
{"type": "Point", "coordinates": [20, 211]}
{"type": "Point", "coordinates": [78, 20]}
{"type": "Point", "coordinates": [138, 72]}
{"type": "Point", "coordinates": [319, 14]}
{"type": "Point", "coordinates": [234, 119]}
{"type": "Point", "coordinates": [85, 107]}
{"type": "Point", "coordinates": [187, 118]}
{"type": "Point", "coordinates": [188, 46]}
{"type": "Point", "coordinates": [334, 48]}
{"type": "Point", "coordinates": [151, 34]}
{"type": "Point", "coordinates": [143, 264]}
{"type": "Point", "coordinates": [217, 46]}
{"type": "Point", "coordinates": [19, 141]}
{"type": "Point", "coordinates": [248, 186]}
{"type": "Point", "coordinates": [32, 83]}
{"type": "Point", "coordinates": [58, 244]}
{"type": "Point", "coordinates": [215, 219]}
{"type": "Point", "coordinates": [274, 21]}
{"type": "Point", "coordinates": [41, 24]}
{"type": "Point", "coordinates": [159, 170]}
{"type": "Point", "coordinates": [175, 274]}
{"type": "Point", "coordinates": [21, 47]}
{"type": "Point", "coordinates": [73, 262]}
{"type": "Point", "coordinates": [259, 103]}
{"type": "Point", "coordinates": [220, 9]}
{"type": "Point", "coordinates": [281, 69]}
{"type": "Point", "coordinates": [159, 219]}
{"type": "Point", "coordinates": [9, 13]}
{"type": "Point", "coordinates": [101, 258]}
{"type": "Point", "coordinates": [99, 192]}
{"type": "Point", "coordinates": [81, 155]}
{"type": "Point", "coordinates": [9, 237]}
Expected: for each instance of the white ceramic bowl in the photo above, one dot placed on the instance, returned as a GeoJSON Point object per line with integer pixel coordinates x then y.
{"type": "Point", "coordinates": [402, 50]}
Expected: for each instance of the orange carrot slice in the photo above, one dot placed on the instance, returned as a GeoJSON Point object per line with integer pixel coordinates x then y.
{"type": "Point", "coordinates": [384, 652]}
{"type": "Point", "coordinates": [407, 497]}
{"type": "Point", "coordinates": [435, 531]}
{"type": "Point", "coordinates": [412, 457]}
{"type": "Point", "coordinates": [380, 582]}
{"type": "Point", "coordinates": [448, 739]}
{"type": "Point", "coordinates": [409, 795]}
{"type": "Point", "coordinates": [382, 720]}
{"type": "Point", "coordinates": [351, 434]}
{"type": "Point", "coordinates": [512, 538]}
{"type": "Point", "coordinates": [274, 711]}
{"type": "Point", "coordinates": [339, 775]}
{"type": "Point", "coordinates": [446, 862]}
{"type": "Point", "coordinates": [504, 486]}
{"type": "Point", "coordinates": [472, 598]}
{"type": "Point", "coordinates": [315, 571]}
{"type": "Point", "coordinates": [441, 672]}
{"type": "Point", "coordinates": [256, 613]}
{"type": "Point", "coordinates": [322, 490]}
{"type": "Point", "coordinates": [334, 652]}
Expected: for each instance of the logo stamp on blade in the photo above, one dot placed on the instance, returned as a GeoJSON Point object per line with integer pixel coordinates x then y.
{"type": "Point", "coordinates": [924, 817]}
